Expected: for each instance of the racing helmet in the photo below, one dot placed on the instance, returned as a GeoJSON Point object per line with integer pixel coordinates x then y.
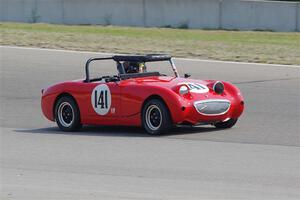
{"type": "Point", "coordinates": [134, 67]}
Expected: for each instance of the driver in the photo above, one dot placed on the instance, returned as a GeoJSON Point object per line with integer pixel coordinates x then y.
{"type": "Point", "coordinates": [134, 67]}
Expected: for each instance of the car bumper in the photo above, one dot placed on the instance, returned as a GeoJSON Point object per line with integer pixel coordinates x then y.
{"type": "Point", "coordinates": [211, 111]}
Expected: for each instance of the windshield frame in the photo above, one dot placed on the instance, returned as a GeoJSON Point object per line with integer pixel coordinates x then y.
{"type": "Point", "coordinates": [144, 74]}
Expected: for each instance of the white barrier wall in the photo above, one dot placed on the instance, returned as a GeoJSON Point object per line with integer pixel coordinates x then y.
{"type": "Point", "coordinates": [298, 18]}
{"type": "Point", "coordinates": [176, 13]}
{"type": "Point", "coordinates": [260, 15]}
{"type": "Point", "coordinates": [210, 14]}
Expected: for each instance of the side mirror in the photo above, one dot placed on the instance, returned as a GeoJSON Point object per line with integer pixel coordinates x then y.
{"type": "Point", "coordinates": [187, 75]}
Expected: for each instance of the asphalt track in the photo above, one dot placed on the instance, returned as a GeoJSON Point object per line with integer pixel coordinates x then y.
{"type": "Point", "coordinates": [257, 159]}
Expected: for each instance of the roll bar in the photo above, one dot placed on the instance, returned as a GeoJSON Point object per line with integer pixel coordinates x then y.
{"type": "Point", "coordinates": [87, 64]}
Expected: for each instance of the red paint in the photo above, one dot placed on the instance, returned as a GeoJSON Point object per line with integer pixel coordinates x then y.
{"type": "Point", "coordinates": [129, 95]}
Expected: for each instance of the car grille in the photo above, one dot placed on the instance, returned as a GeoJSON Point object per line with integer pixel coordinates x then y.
{"type": "Point", "coordinates": [212, 107]}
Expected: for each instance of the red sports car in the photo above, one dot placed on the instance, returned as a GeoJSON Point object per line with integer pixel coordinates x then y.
{"type": "Point", "coordinates": [139, 97]}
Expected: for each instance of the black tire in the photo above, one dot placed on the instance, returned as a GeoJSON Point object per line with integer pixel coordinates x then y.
{"type": "Point", "coordinates": [156, 117]}
{"type": "Point", "coordinates": [227, 124]}
{"type": "Point", "coordinates": [67, 115]}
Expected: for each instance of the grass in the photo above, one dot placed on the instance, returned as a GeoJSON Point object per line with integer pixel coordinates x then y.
{"type": "Point", "coordinates": [249, 46]}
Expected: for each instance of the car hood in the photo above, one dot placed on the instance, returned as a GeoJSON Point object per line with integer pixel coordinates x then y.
{"type": "Point", "coordinates": [165, 81]}
{"type": "Point", "coordinates": [199, 89]}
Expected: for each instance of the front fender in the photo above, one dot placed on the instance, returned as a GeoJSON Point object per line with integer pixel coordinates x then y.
{"type": "Point", "coordinates": [133, 98]}
{"type": "Point", "coordinates": [175, 103]}
{"type": "Point", "coordinates": [237, 99]}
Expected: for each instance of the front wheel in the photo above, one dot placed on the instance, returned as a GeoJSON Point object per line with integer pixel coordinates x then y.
{"type": "Point", "coordinates": [227, 124]}
{"type": "Point", "coordinates": [156, 117]}
{"type": "Point", "coordinates": [67, 114]}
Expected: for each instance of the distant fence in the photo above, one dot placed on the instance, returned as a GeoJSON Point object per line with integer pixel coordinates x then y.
{"type": "Point", "coordinates": [207, 14]}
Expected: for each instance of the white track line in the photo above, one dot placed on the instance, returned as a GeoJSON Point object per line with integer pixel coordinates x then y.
{"type": "Point", "coordinates": [187, 59]}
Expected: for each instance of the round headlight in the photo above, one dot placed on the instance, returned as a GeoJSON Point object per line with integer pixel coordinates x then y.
{"type": "Point", "coordinates": [183, 90]}
{"type": "Point", "coordinates": [218, 87]}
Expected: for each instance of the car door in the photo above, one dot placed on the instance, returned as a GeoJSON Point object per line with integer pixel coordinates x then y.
{"type": "Point", "coordinates": [103, 103]}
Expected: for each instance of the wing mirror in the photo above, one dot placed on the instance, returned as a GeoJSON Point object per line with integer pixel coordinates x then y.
{"type": "Point", "coordinates": [187, 75]}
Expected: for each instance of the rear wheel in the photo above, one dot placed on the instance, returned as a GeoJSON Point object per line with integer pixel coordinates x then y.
{"type": "Point", "coordinates": [227, 124]}
{"type": "Point", "coordinates": [67, 114]}
{"type": "Point", "coordinates": [156, 117]}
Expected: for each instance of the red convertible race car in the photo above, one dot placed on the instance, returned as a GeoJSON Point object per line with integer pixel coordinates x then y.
{"type": "Point", "coordinates": [139, 97]}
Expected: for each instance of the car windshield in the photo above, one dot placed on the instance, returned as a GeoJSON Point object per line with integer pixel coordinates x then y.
{"type": "Point", "coordinates": [132, 69]}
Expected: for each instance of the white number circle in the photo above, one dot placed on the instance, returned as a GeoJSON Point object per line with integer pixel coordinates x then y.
{"type": "Point", "coordinates": [197, 87]}
{"type": "Point", "coordinates": [101, 99]}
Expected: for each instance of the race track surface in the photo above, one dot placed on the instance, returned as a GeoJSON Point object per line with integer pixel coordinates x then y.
{"type": "Point", "coordinates": [257, 159]}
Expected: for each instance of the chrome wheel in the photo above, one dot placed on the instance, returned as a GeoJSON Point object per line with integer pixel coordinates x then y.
{"type": "Point", "coordinates": [153, 117]}
{"type": "Point", "coordinates": [65, 114]}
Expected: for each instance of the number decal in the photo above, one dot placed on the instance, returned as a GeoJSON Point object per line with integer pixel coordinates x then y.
{"type": "Point", "coordinates": [197, 87]}
{"type": "Point", "coordinates": [101, 99]}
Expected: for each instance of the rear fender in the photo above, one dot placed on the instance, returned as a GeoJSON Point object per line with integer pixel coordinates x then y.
{"type": "Point", "coordinates": [52, 94]}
